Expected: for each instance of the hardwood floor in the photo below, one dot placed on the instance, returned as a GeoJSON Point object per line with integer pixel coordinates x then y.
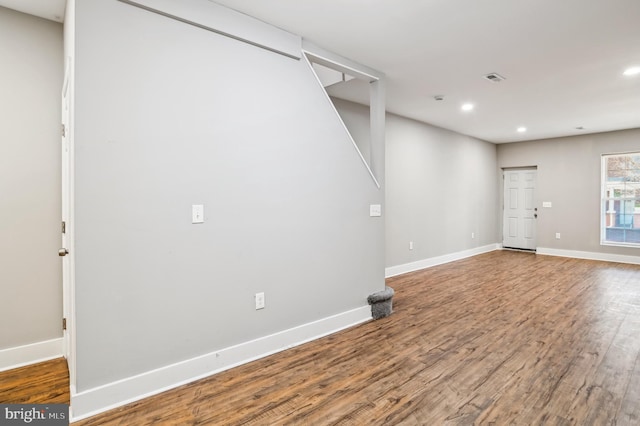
{"type": "Point", "coordinates": [42, 383]}
{"type": "Point", "coordinates": [501, 338]}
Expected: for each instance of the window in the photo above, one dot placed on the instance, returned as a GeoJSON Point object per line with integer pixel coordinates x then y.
{"type": "Point", "coordinates": [620, 223]}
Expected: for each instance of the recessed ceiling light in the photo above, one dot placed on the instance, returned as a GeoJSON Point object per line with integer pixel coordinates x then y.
{"type": "Point", "coordinates": [522, 129]}
{"type": "Point", "coordinates": [467, 107]}
{"type": "Point", "coordinates": [632, 71]}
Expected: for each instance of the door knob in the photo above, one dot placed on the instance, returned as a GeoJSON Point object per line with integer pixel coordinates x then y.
{"type": "Point", "coordinates": [535, 215]}
{"type": "Point", "coordinates": [63, 252]}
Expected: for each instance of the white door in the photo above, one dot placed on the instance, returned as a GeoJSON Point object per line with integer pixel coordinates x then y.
{"type": "Point", "coordinates": [520, 212]}
{"type": "Point", "coordinates": [64, 252]}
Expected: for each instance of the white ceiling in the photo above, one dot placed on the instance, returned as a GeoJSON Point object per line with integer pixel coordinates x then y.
{"type": "Point", "coordinates": [563, 59]}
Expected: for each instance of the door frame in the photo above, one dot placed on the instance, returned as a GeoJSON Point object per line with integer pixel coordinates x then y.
{"type": "Point", "coordinates": [67, 214]}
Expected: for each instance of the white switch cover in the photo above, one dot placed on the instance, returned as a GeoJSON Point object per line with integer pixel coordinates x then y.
{"type": "Point", "coordinates": [197, 213]}
{"type": "Point", "coordinates": [557, 235]}
{"type": "Point", "coordinates": [546, 204]}
{"type": "Point", "coordinates": [375, 210]}
{"type": "Point", "coordinates": [259, 300]}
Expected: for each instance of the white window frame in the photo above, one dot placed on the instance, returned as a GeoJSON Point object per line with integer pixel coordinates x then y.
{"type": "Point", "coordinates": [608, 201]}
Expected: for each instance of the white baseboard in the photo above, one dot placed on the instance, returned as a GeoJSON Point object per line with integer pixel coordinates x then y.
{"type": "Point", "coordinates": [606, 257]}
{"type": "Point", "coordinates": [30, 354]}
{"type": "Point", "coordinates": [392, 271]}
{"type": "Point", "coordinates": [93, 401]}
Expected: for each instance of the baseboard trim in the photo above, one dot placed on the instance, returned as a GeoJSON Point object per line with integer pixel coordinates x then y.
{"type": "Point", "coordinates": [20, 356]}
{"type": "Point", "coordinates": [392, 271]}
{"type": "Point", "coordinates": [97, 400]}
{"type": "Point", "coordinates": [606, 257]}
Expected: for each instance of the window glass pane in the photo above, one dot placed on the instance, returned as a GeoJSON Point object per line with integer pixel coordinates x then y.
{"type": "Point", "coordinates": [616, 163]}
{"type": "Point", "coordinates": [616, 167]}
{"type": "Point", "coordinates": [621, 199]}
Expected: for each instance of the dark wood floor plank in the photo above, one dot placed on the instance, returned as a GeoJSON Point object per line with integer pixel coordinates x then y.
{"type": "Point", "coordinates": [42, 383]}
{"type": "Point", "coordinates": [501, 338]}
{"type": "Point", "coordinates": [629, 413]}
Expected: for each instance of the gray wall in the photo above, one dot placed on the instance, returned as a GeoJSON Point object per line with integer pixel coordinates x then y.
{"type": "Point", "coordinates": [569, 177]}
{"type": "Point", "coordinates": [169, 115]}
{"type": "Point", "coordinates": [30, 274]}
{"type": "Point", "coordinates": [440, 187]}
{"type": "Point", "coordinates": [356, 118]}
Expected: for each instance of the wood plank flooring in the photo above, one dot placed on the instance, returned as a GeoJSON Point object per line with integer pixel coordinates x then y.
{"type": "Point", "coordinates": [42, 383]}
{"type": "Point", "coordinates": [498, 339]}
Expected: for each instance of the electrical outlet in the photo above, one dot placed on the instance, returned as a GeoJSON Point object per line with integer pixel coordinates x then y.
{"type": "Point", "coordinates": [259, 301]}
{"type": "Point", "coordinates": [557, 235]}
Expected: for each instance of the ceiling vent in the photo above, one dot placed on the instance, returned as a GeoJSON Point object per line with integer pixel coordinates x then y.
{"type": "Point", "coordinates": [495, 77]}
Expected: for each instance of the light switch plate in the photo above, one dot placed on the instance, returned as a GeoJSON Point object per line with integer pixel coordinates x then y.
{"type": "Point", "coordinates": [197, 213]}
{"type": "Point", "coordinates": [259, 301]}
{"type": "Point", "coordinates": [375, 210]}
{"type": "Point", "coordinates": [546, 204]}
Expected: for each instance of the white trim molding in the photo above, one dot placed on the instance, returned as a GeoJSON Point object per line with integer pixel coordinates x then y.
{"type": "Point", "coordinates": [20, 356]}
{"type": "Point", "coordinates": [392, 271]}
{"type": "Point", "coordinates": [111, 395]}
{"type": "Point", "coordinates": [590, 255]}
{"type": "Point", "coordinates": [227, 22]}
